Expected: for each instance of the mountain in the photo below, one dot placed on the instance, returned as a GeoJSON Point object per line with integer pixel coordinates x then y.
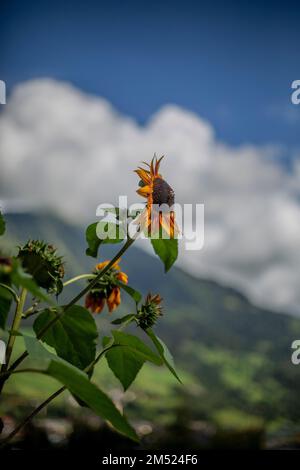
{"type": "Point", "coordinates": [238, 354]}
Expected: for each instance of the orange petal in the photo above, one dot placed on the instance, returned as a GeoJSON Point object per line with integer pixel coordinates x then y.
{"type": "Point", "coordinates": [100, 306]}
{"type": "Point", "coordinates": [144, 175]}
{"type": "Point", "coordinates": [145, 191]}
{"type": "Point", "coordinates": [102, 265]}
{"type": "Point", "coordinates": [157, 165]}
{"type": "Point", "coordinates": [122, 277]}
{"type": "Point", "coordinates": [112, 299]}
{"type": "Point", "coordinates": [166, 224]}
{"type": "Point", "coordinates": [118, 297]}
{"type": "Point", "coordinates": [152, 167]}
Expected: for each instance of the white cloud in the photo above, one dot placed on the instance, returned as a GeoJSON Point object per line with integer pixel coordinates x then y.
{"type": "Point", "coordinates": [64, 149]}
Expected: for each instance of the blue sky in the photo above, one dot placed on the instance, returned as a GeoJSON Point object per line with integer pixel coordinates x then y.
{"type": "Point", "coordinates": [230, 62]}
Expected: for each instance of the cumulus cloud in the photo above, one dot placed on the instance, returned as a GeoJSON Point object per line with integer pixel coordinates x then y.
{"type": "Point", "coordinates": [63, 149]}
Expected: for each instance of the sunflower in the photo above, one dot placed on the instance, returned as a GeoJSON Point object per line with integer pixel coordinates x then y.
{"type": "Point", "coordinates": [158, 193]}
{"type": "Point", "coordinates": [107, 289]}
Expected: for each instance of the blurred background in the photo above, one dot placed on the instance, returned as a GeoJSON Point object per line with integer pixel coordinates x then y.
{"type": "Point", "coordinates": [93, 89]}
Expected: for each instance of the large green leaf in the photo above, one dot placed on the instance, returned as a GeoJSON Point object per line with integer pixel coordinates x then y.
{"type": "Point", "coordinates": [2, 224]}
{"type": "Point", "coordinates": [127, 355]}
{"type": "Point", "coordinates": [167, 250]}
{"type": "Point", "coordinates": [125, 364]}
{"type": "Point", "coordinates": [94, 241]}
{"type": "Point", "coordinates": [73, 335]}
{"type": "Point", "coordinates": [79, 385]}
{"type": "Point", "coordinates": [163, 352]}
{"type": "Point", "coordinates": [136, 346]}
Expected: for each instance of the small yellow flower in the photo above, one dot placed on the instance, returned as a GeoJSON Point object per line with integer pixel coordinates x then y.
{"type": "Point", "coordinates": [107, 289]}
{"type": "Point", "coordinates": [157, 192]}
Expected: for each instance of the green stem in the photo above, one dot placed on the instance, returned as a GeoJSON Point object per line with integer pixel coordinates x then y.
{"type": "Point", "coordinates": [29, 417]}
{"type": "Point", "coordinates": [15, 325]}
{"type": "Point", "coordinates": [12, 336]}
{"type": "Point", "coordinates": [84, 291]}
{"type": "Point", "coordinates": [78, 278]}
{"type": "Point", "coordinates": [20, 371]}
{"type": "Point", "coordinates": [11, 291]}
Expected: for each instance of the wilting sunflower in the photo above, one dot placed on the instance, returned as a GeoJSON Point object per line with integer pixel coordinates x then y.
{"type": "Point", "coordinates": [158, 193]}
{"type": "Point", "coordinates": [107, 289]}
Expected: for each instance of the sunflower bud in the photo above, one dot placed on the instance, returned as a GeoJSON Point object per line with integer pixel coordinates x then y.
{"type": "Point", "coordinates": [149, 312]}
{"type": "Point", "coordinates": [41, 261]}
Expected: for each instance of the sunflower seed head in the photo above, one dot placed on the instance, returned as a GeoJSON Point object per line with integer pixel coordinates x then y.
{"type": "Point", "coordinates": [163, 193]}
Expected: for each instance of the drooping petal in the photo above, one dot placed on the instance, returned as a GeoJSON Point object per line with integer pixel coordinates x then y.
{"type": "Point", "coordinates": [102, 265]}
{"type": "Point", "coordinates": [157, 166]}
{"type": "Point", "coordinates": [144, 191]}
{"type": "Point", "coordinates": [122, 277]}
{"type": "Point", "coordinates": [114, 299]}
{"type": "Point", "coordinates": [100, 306]}
{"type": "Point", "coordinates": [144, 175]}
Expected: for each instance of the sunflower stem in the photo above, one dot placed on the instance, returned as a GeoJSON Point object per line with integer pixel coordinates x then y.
{"type": "Point", "coordinates": [78, 278]}
{"type": "Point", "coordinates": [12, 335]}
{"type": "Point", "coordinates": [11, 291]}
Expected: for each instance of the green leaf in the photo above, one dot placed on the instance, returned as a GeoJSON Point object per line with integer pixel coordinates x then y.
{"type": "Point", "coordinates": [79, 385]}
{"type": "Point", "coordinates": [137, 296]}
{"type": "Point", "coordinates": [126, 319]}
{"type": "Point", "coordinates": [92, 240]}
{"type": "Point", "coordinates": [167, 250]}
{"type": "Point", "coordinates": [127, 355]}
{"type": "Point", "coordinates": [22, 279]}
{"type": "Point", "coordinates": [124, 363]}
{"type": "Point", "coordinates": [38, 354]}
{"type": "Point", "coordinates": [73, 335]}
{"type": "Point", "coordinates": [5, 303]}
{"type": "Point", "coordinates": [163, 352]}
{"type": "Point", "coordinates": [2, 224]}
{"type": "Point", "coordinates": [136, 346]}
{"type": "Point", "coordinates": [114, 235]}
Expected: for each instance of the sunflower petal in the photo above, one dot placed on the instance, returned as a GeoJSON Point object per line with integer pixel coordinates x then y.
{"type": "Point", "coordinates": [157, 165]}
{"type": "Point", "coordinates": [122, 277]}
{"type": "Point", "coordinates": [144, 175]}
{"type": "Point", "coordinates": [145, 191]}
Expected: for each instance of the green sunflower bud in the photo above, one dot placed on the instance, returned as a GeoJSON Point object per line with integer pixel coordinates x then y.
{"type": "Point", "coordinates": [41, 261]}
{"type": "Point", "coordinates": [149, 312]}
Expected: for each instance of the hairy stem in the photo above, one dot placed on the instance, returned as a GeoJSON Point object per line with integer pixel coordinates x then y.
{"type": "Point", "coordinates": [29, 417]}
{"type": "Point", "coordinates": [78, 278]}
{"type": "Point", "coordinates": [12, 336]}
{"type": "Point", "coordinates": [11, 291]}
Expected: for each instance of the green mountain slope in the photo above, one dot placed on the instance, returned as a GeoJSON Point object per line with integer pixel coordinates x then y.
{"type": "Point", "coordinates": [238, 354]}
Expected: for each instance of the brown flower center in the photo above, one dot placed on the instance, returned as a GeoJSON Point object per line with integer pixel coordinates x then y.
{"type": "Point", "coordinates": [162, 193]}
